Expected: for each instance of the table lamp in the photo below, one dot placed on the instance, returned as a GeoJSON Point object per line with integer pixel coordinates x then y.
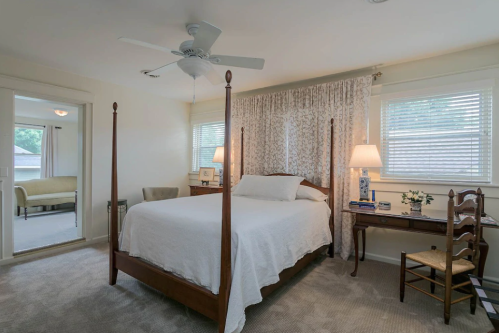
{"type": "Point", "coordinates": [219, 158]}
{"type": "Point", "coordinates": [365, 156]}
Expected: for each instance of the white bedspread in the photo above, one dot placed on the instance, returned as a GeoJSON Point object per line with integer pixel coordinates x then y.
{"type": "Point", "coordinates": [183, 236]}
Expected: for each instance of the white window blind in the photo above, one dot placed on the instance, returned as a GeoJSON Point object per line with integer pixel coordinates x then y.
{"type": "Point", "coordinates": [439, 136]}
{"type": "Point", "coordinates": [206, 138]}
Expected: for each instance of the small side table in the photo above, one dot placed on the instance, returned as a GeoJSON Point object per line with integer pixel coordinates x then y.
{"type": "Point", "coordinates": [202, 190]}
{"type": "Point", "coordinates": [122, 210]}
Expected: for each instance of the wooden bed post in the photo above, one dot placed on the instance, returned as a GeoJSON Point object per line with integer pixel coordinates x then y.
{"type": "Point", "coordinates": [242, 153]}
{"type": "Point", "coordinates": [225, 265]}
{"type": "Point", "coordinates": [113, 242]}
{"type": "Point", "coordinates": [331, 189]}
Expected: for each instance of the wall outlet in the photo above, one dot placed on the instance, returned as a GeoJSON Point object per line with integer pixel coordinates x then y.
{"type": "Point", "coordinates": [4, 172]}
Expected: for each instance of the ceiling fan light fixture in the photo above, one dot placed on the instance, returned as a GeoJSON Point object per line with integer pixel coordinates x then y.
{"type": "Point", "coordinates": [376, 1]}
{"type": "Point", "coordinates": [61, 112]}
{"type": "Point", "coordinates": [194, 67]}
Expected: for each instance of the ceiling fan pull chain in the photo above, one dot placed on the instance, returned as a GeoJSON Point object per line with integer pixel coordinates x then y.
{"type": "Point", "coordinates": [194, 96]}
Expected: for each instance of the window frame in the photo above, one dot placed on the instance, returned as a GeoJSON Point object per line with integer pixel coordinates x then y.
{"type": "Point", "coordinates": [194, 156]}
{"type": "Point", "coordinates": [487, 159]}
{"type": "Point", "coordinates": [40, 128]}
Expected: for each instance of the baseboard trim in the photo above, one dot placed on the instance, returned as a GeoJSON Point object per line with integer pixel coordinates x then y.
{"type": "Point", "coordinates": [57, 249]}
{"type": "Point", "coordinates": [47, 247]}
{"type": "Point", "coordinates": [391, 260]}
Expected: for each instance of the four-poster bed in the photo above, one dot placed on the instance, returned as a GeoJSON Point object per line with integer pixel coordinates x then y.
{"type": "Point", "coordinates": [185, 291]}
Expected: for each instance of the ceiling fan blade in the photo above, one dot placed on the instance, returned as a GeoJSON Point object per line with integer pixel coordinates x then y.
{"type": "Point", "coordinates": [244, 62]}
{"type": "Point", "coordinates": [213, 76]}
{"type": "Point", "coordinates": [144, 44]}
{"type": "Point", "coordinates": [162, 69]}
{"type": "Point", "coordinates": [206, 36]}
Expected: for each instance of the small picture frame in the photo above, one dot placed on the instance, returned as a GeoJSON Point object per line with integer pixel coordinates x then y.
{"type": "Point", "coordinates": [206, 175]}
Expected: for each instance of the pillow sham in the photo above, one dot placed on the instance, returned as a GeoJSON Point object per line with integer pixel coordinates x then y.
{"type": "Point", "coordinates": [277, 188]}
{"type": "Point", "coordinates": [310, 193]}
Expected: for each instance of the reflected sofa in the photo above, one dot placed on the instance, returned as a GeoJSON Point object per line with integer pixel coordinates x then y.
{"type": "Point", "coordinates": [44, 192]}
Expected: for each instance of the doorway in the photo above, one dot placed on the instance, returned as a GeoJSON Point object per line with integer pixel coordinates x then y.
{"type": "Point", "coordinates": [47, 158]}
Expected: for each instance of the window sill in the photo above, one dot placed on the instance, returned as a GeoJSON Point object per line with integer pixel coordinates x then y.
{"type": "Point", "coordinates": [437, 183]}
{"type": "Point", "coordinates": [191, 173]}
{"type": "Point", "coordinates": [197, 173]}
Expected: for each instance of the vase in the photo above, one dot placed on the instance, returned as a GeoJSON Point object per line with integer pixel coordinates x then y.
{"type": "Point", "coordinates": [416, 206]}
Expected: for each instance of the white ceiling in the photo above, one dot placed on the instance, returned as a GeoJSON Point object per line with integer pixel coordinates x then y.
{"type": "Point", "coordinates": [299, 39]}
{"type": "Point", "coordinates": [42, 109]}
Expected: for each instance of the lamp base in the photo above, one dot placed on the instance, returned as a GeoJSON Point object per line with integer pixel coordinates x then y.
{"type": "Point", "coordinates": [364, 184]}
{"type": "Point", "coordinates": [221, 176]}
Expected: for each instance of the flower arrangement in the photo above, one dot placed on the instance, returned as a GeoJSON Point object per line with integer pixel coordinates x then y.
{"type": "Point", "coordinates": [416, 199]}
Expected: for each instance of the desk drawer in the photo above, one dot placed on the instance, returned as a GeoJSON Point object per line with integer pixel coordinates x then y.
{"type": "Point", "coordinates": [439, 227]}
{"type": "Point", "coordinates": [430, 226]}
{"type": "Point", "coordinates": [383, 220]}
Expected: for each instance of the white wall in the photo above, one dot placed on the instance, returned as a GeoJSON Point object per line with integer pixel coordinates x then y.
{"type": "Point", "coordinates": [6, 164]}
{"type": "Point", "coordinates": [463, 66]}
{"type": "Point", "coordinates": [67, 162]}
{"type": "Point", "coordinates": [153, 136]}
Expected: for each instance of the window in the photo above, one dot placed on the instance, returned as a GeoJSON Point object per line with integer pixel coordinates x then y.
{"type": "Point", "coordinates": [206, 138]}
{"type": "Point", "coordinates": [442, 136]}
{"type": "Point", "coordinates": [27, 153]}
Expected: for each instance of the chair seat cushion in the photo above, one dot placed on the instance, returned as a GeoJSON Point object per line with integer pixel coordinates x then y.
{"type": "Point", "coordinates": [50, 199]}
{"type": "Point", "coordinates": [436, 259]}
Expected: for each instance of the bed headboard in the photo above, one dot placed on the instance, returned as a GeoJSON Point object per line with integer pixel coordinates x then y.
{"type": "Point", "coordinates": [326, 190]}
{"type": "Point", "coordinates": [329, 191]}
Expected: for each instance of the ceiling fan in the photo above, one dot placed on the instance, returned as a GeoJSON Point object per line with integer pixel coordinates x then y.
{"type": "Point", "coordinates": [197, 58]}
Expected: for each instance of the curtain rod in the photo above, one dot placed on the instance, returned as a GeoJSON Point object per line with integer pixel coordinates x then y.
{"type": "Point", "coordinates": [376, 75]}
{"type": "Point", "coordinates": [57, 127]}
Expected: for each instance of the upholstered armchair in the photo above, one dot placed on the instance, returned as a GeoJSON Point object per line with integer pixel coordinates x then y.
{"type": "Point", "coordinates": [160, 193]}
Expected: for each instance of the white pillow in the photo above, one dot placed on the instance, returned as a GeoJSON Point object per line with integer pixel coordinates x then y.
{"type": "Point", "coordinates": [310, 193]}
{"type": "Point", "coordinates": [277, 188]}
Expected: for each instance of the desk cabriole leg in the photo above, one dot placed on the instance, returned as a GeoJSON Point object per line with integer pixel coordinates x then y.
{"type": "Point", "coordinates": [356, 242]}
{"type": "Point", "coordinates": [484, 251]}
{"type": "Point", "coordinates": [363, 245]}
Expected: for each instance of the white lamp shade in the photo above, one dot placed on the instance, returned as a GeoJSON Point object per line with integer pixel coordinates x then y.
{"type": "Point", "coordinates": [219, 155]}
{"type": "Point", "coordinates": [365, 156]}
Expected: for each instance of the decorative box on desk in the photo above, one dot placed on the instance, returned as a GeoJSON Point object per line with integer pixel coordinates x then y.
{"type": "Point", "coordinates": [201, 190]}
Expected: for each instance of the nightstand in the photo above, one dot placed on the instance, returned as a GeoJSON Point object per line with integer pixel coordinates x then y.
{"type": "Point", "coordinates": [201, 190]}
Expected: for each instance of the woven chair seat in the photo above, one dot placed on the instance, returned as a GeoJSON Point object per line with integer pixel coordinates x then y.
{"type": "Point", "coordinates": [436, 259]}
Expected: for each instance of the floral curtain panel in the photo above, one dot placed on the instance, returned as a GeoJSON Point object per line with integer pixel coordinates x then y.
{"type": "Point", "coordinates": [289, 132]}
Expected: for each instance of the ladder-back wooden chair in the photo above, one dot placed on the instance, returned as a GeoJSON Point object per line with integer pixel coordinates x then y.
{"type": "Point", "coordinates": [463, 195]}
{"type": "Point", "coordinates": [446, 262]}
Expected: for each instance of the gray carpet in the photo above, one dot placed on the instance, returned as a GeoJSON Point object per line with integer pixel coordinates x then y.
{"type": "Point", "coordinates": [69, 293]}
{"type": "Point", "coordinates": [43, 229]}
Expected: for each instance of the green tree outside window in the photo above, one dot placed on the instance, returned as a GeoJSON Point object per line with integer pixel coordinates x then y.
{"type": "Point", "coordinates": [29, 139]}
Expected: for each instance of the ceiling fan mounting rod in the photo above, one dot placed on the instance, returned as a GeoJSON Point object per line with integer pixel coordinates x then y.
{"type": "Point", "coordinates": [192, 29]}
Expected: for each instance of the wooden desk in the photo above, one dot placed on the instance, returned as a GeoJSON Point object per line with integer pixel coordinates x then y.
{"type": "Point", "coordinates": [433, 222]}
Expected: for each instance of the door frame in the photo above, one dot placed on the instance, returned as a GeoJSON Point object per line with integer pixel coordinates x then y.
{"type": "Point", "coordinates": [84, 100]}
